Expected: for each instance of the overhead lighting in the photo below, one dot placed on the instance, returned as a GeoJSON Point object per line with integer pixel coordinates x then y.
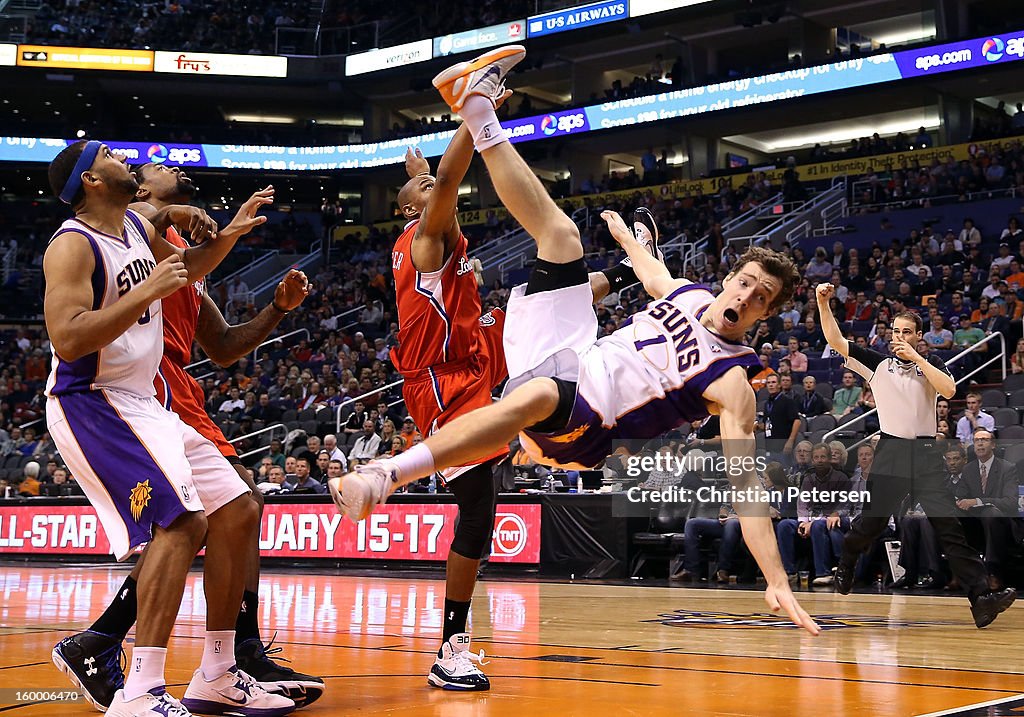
{"type": "Point", "coordinates": [840, 133]}
{"type": "Point", "coordinates": [262, 119]}
{"type": "Point", "coordinates": [905, 38]}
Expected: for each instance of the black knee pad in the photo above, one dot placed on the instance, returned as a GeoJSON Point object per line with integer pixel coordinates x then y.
{"type": "Point", "coordinates": [549, 276]}
{"type": "Point", "coordinates": [475, 493]}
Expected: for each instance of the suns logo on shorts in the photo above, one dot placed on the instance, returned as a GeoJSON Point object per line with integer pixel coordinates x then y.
{"type": "Point", "coordinates": [487, 319]}
{"type": "Point", "coordinates": [138, 499]}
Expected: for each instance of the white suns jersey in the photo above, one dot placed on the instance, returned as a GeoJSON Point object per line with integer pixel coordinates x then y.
{"type": "Point", "coordinates": [131, 361]}
{"type": "Point", "coordinates": [652, 372]}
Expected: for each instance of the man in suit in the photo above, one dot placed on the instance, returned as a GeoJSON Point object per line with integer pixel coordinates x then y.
{"type": "Point", "coordinates": [812, 403]}
{"type": "Point", "coordinates": [992, 498]}
{"type": "Point", "coordinates": [919, 546]}
{"type": "Point", "coordinates": [780, 419]}
{"type": "Point", "coordinates": [994, 321]}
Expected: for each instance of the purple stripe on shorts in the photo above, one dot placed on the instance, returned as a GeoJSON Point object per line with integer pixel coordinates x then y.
{"type": "Point", "coordinates": [121, 462]}
{"type": "Point", "coordinates": [75, 376]}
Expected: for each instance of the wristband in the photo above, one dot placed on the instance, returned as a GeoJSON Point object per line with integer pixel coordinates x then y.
{"type": "Point", "coordinates": [278, 308]}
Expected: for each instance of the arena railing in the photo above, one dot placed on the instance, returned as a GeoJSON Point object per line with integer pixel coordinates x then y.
{"type": "Point", "coordinates": [268, 342]}
{"type": "Point", "coordinates": [353, 399]}
{"type": "Point", "coordinates": [238, 272]}
{"type": "Point", "coordinates": [9, 259]}
{"type": "Point", "coordinates": [31, 423]}
{"type": "Point", "coordinates": [269, 429]}
{"type": "Point", "coordinates": [1001, 356]}
{"type": "Point", "coordinates": [916, 202]}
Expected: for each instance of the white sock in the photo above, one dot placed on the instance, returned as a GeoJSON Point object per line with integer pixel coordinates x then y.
{"type": "Point", "coordinates": [218, 653]}
{"type": "Point", "coordinates": [478, 114]}
{"type": "Point", "coordinates": [145, 671]}
{"type": "Point", "coordinates": [415, 463]}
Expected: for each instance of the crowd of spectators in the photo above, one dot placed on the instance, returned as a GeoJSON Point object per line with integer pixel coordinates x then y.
{"type": "Point", "coordinates": [186, 25]}
{"type": "Point", "coordinates": [911, 184]}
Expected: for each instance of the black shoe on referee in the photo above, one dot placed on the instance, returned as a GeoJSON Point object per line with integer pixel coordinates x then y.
{"type": "Point", "coordinates": [986, 607]}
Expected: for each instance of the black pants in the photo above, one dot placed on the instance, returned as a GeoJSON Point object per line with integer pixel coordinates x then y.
{"type": "Point", "coordinates": [914, 467]}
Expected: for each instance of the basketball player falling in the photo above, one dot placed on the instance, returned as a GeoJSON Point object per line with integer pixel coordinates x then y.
{"type": "Point", "coordinates": [452, 359]}
{"type": "Point", "coordinates": [570, 396]}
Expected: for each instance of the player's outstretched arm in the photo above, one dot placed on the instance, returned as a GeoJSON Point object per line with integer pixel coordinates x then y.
{"type": "Point", "coordinates": [737, 407]}
{"type": "Point", "coordinates": [74, 327]}
{"type": "Point", "coordinates": [226, 344]}
{"type": "Point", "coordinates": [438, 229]}
{"type": "Point", "coordinates": [201, 260]}
{"type": "Point", "coordinates": [829, 325]}
{"type": "Point", "coordinates": [657, 280]}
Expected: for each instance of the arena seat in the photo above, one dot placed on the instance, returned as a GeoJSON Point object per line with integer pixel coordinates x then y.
{"type": "Point", "coordinates": [993, 398]}
{"type": "Point", "coordinates": [1016, 397]}
{"type": "Point", "coordinates": [1006, 417]}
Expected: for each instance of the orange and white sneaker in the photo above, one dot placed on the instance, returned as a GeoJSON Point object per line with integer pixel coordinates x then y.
{"type": "Point", "coordinates": [484, 75]}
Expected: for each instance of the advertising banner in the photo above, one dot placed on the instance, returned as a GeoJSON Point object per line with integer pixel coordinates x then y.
{"type": "Point", "coordinates": [473, 40]}
{"type": "Point", "coordinates": [388, 57]}
{"type": "Point", "coordinates": [979, 52]}
{"type": "Point", "coordinates": [638, 8]}
{"type": "Point", "coordinates": [671, 104]}
{"type": "Point", "coordinates": [575, 18]}
{"type": "Point", "coordinates": [207, 63]}
{"type": "Point", "coordinates": [85, 58]}
{"type": "Point", "coordinates": [400, 531]}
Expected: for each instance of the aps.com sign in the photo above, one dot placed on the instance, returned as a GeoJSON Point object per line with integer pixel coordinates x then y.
{"type": "Point", "coordinates": [563, 123]}
{"type": "Point", "coordinates": [159, 154]}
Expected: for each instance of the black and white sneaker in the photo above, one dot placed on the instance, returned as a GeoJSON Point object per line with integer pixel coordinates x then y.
{"type": "Point", "coordinates": [252, 657]}
{"type": "Point", "coordinates": [645, 230]}
{"type": "Point", "coordinates": [94, 663]}
{"type": "Point", "coordinates": [456, 667]}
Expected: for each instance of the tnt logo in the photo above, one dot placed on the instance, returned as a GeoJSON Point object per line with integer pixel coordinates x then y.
{"type": "Point", "coordinates": [509, 535]}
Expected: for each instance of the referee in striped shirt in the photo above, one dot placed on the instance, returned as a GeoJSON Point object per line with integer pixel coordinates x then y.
{"type": "Point", "coordinates": [906, 387]}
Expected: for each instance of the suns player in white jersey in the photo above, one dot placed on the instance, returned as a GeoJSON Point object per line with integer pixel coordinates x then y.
{"type": "Point", "coordinates": [150, 477]}
{"type": "Point", "coordinates": [571, 395]}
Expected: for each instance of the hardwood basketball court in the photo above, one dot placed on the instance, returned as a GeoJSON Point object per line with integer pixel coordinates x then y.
{"type": "Point", "coordinates": [564, 648]}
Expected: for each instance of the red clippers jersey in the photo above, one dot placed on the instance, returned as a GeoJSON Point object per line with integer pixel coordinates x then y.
{"type": "Point", "coordinates": [181, 313]}
{"type": "Point", "coordinates": [438, 312]}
